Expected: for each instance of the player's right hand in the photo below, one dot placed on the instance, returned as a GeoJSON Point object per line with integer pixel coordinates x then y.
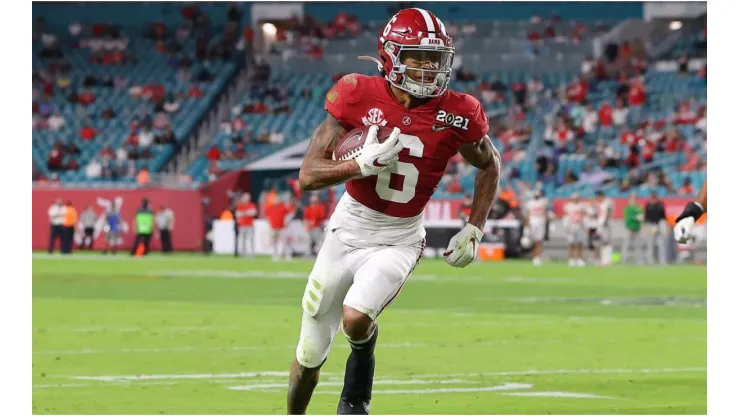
{"type": "Point", "coordinates": [682, 230]}
{"type": "Point", "coordinates": [376, 156]}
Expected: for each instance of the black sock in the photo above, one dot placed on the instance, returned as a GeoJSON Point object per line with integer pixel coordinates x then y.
{"type": "Point", "coordinates": [358, 375]}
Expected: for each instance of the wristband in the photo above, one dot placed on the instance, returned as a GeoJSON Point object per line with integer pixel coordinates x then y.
{"type": "Point", "coordinates": [693, 209]}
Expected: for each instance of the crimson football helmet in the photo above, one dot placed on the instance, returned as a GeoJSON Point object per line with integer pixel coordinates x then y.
{"type": "Point", "coordinates": [420, 35]}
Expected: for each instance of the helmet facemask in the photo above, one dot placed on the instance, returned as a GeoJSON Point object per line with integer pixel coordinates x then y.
{"type": "Point", "coordinates": [423, 71]}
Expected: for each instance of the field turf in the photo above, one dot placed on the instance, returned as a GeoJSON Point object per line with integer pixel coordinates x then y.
{"type": "Point", "coordinates": [190, 334]}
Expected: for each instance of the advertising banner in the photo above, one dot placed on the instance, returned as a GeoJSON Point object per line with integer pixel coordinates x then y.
{"type": "Point", "coordinates": [185, 204]}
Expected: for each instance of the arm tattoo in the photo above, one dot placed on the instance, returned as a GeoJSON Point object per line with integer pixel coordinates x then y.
{"type": "Point", "coordinates": [319, 170]}
{"type": "Point", "coordinates": [486, 158]}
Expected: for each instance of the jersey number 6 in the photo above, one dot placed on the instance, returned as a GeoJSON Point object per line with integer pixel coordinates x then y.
{"type": "Point", "coordinates": [407, 171]}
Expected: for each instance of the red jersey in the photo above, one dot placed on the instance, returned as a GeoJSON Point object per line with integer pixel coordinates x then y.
{"type": "Point", "coordinates": [431, 134]}
{"type": "Point", "coordinates": [637, 95]}
{"type": "Point", "coordinates": [605, 115]}
{"type": "Point", "coordinates": [276, 215]}
{"type": "Point", "coordinates": [314, 215]}
{"type": "Point", "coordinates": [245, 213]}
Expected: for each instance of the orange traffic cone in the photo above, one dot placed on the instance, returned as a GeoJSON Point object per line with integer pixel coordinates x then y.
{"type": "Point", "coordinates": [139, 250]}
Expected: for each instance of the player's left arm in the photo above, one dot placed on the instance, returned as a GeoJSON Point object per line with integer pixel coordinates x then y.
{"type": "Point", "coordinates": [484, 156]}
{"type": "Point", "coordinates": [463, 247]}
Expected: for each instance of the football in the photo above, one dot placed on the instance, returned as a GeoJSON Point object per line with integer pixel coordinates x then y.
{"type": "Point", "coordinates": [349, 146]}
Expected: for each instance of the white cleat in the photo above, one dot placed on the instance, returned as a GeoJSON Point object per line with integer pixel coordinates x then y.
{"type": "Point", "coordinates": [571, 263]}
{"type": "Point", "coordinates": [580, 263]}
{"type": "Point", "coordinates": [536, 261]}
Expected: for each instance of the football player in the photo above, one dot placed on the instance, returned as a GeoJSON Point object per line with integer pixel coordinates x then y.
{"type": "Point", "coordinates": [575, 230]}
{"type": "Point", "coordinates": [692, 212]}
{"type": "Point", "coordinates": [375, 237]}
{"type": "Point", "coordinates": [535, 223]}
{"type": "Point", "coordinates": [605, 209]}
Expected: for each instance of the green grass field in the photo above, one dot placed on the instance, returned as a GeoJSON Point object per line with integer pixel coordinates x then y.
{"type": "Point", "coordinates": [195, 335]}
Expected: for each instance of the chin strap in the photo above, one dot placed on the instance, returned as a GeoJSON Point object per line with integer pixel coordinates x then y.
{"type": "Point", "coordinates": [370, 58]}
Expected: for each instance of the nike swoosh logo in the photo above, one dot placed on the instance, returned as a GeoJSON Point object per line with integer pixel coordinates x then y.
{"type": "Point", "coordinates": [375, 163]}
{"type": "Point", "coordinates": [436, 128]}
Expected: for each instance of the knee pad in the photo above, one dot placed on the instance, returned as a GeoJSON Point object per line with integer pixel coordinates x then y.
{"type": "Point", "coordinates": [314, 343]}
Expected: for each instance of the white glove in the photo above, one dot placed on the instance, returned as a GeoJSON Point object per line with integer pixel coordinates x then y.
{"type": "Point", "coordinates": [463, 247]}
{"type": "Point", "coordinates": [376, 156]}
{"type": "Point", "coordinates": [682, 230]}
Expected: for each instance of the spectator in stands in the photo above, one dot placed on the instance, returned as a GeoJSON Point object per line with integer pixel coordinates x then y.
{"type": "Point", "coordinates": [686, 189]}
{"type": "Point", "coordinates": [195, 91]}
{"type": "Point", "coordinates": [569, 177]}
{"type": "Point", "coordinates": [535, 89]}
{"type": "Point", "coordinates": [684, 115]}
{"type": "Point", "coordinates": [122, 154]}
{"type": "Point", "coordinates": [619, 114]}
{"type": "Point", "coordinates": [168, 137]}
{"type": "Point", "coordinates": [56, 158]}
{"type": "Point", "coordinates": [637, 93]}
{"type": "Point", "coordinates": [577, 90]}
{"type": "Point", "coordinates": [87, 97]}
{"type": "Point", "coordinates": [519, 91]}
{"type": "Point", "coordinates": [587, 67]}
{"type": "Point", "coordinates": [561, 136]}
{"type": "Point", "coordinates": [683, 64]}
{"type": "Point", "coordinates": [56, 121]}
{"type": "Point", "coordinates": [264, 137]}
{"type": "Point", "coordinates": [631, 180]}
{"type": "Point", "coordinates": [72, 163]}
{"type": "Point", "coordinates": [701, 119]}
{"type": "Point", "coordinates": [146, 137]}
{"type": "Point", "coordinates": [108, 113]}
{"type": "Point", "coordinates": [541, 164]}
{"type": "Point", "coordinates": [673, 141]}
{"type": "Point", "coordinates": [171, 105]}
{"type": "Point", "coordinates": [499, 88]}
{"type": "Point", "coordinates": [213, 154]}
{"type": "Point", "coordinates": [454, 186]}
{"type": "Point", "coordinates": [590, 120]}
{"type": "Point", "coordinates": [606, 113]}
{"type": "Point", "coordinates": [550, 176]}
{"type": "Point", "coordinates": [664, 183]}
{"type": "Point", "coordinates": [628, 138]}
{"type": "Point", "coordinates": [88, 132]}
{"type": "Point", "coordinates": [276, 137]}
{"type": "Point", "coordinates": [71, 148]}
{"type": "Point", "coordinates": [107, 153]}
{"type": "Point", "coordinates": [94, 169]}
{"type": "Point", "coordinates": [633, 159]}
{"type": "Point", "coordinates": [161, 121]}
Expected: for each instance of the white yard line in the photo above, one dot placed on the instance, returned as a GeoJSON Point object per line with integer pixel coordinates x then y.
{"type": "Point", "coordinates": [186, 349]}
{"type": "Point", "coordinates": [258, 374]}
{"type": "Point", "coordinates": [556, 394]}
{"type": "Point", "coordinates": [273, 381]}
{"type": "Point", "coordinates": [158, 328]}
{"type": "Point", "coordinates": [189, 349]}
{"type": "Point", "coordinates": [379, 382]}
{"type": "Point", "coordinates": [503, 387]}
{"type": "Point", "coordinates": [206, 376]}
{"type": "Point", "coordinates": [495, 322]}
{"type": "Point", "coordinates": [573, 371]}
